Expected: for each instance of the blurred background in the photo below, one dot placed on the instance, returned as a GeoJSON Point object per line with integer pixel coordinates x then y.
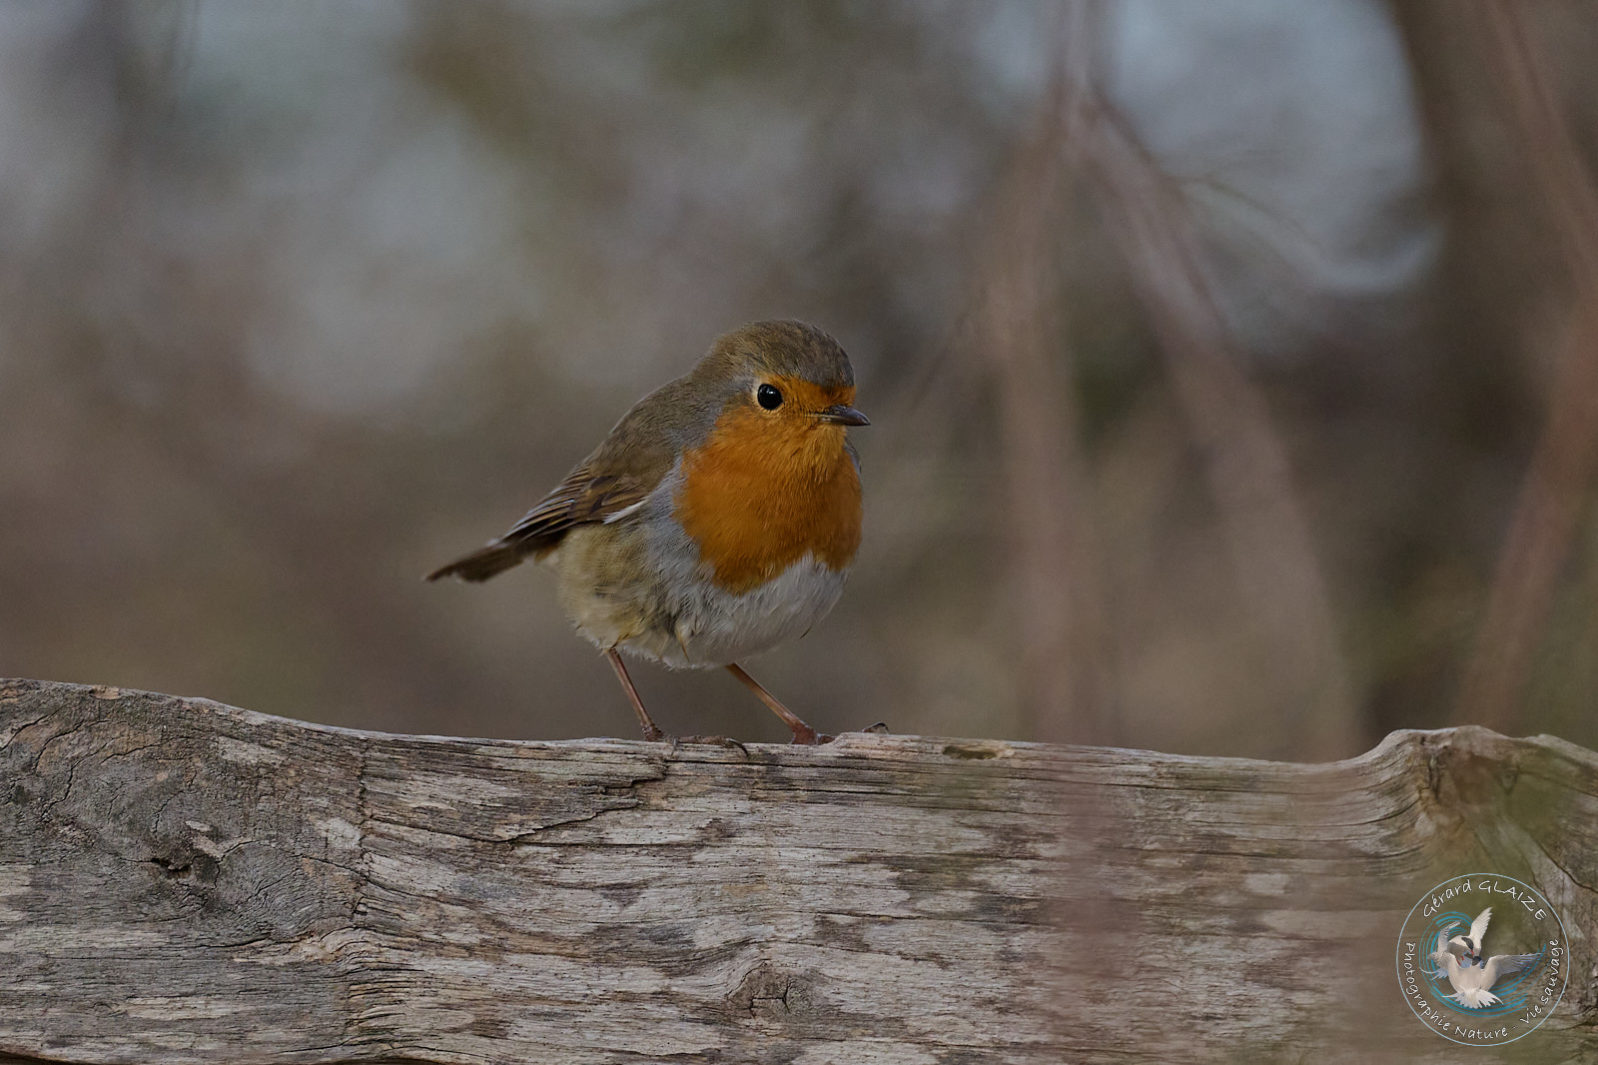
{"type": "Point", "coordinates": [1233, 367]}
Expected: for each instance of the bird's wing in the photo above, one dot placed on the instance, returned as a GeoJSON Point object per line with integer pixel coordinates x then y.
{"type": "Point", "coordinates": [1502, 965]}
{"type": "Point", "coordinates": [608, 486]}
{"type": "Point", "coordinates": [1478, 927]}
{"type": "Point", "coordinates": [584, 497]}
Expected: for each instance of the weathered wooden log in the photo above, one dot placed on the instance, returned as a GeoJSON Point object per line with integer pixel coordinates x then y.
{"type": "Point", "coordinates": [182, 881]}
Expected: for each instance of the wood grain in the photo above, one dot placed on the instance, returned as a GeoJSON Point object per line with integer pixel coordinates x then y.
{"type": "Point", "coordinates": [182, 881]}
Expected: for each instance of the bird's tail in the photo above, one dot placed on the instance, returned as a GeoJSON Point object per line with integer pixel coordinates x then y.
{"type": "Point", "coordinates": [485, 562]}
{"type": "Point", "coordinates": [1476, 999]}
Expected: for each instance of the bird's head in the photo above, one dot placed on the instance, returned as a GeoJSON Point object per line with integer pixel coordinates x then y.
{"type": "Point", "coordinates": [787, 376]}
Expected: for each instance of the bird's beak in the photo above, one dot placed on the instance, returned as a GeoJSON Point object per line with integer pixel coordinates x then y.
{"type": "Point", "coordinates": [842, 415]}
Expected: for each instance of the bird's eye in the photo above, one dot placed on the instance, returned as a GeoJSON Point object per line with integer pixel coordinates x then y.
{"type": "Point", "coordinates": [768, 397]}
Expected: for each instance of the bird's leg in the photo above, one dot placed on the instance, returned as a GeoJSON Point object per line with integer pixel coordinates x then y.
{"type": "Point", "coordinates": [802, 733]}
{"type": "Point", "coordinates": [651, 730]}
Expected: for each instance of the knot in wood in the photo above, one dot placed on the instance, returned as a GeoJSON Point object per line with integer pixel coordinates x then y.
{"type": "Point", "coordinates": [769, 992]}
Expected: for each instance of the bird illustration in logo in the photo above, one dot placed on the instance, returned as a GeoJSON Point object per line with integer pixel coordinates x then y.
{"type": "Point", "coordinates": [1470, 973]}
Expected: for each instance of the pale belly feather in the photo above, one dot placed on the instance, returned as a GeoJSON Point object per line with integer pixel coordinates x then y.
{"type": "Point", "coordinates": [715, 627]}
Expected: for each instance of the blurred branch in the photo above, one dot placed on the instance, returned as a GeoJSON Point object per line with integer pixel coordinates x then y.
{"type": "Point", "coordinates": [1065, 646]}
{"type": "Point", "coordinates": [1246, 462]}
{"type": "Point", "coordinates": [1565, 462]}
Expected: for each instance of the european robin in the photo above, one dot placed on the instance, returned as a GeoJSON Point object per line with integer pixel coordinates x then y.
{"type": "Point", "coordinates": [718, 519]}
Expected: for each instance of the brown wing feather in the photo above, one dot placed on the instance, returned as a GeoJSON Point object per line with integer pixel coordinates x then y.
{"type": "Point", "coordinates": [582, 498]}
{"type": "Point", "coordinates": [621, 472]}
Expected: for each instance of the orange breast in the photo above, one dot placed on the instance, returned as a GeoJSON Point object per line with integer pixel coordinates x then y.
{"type": "Point", "coordinates": [761, 492]}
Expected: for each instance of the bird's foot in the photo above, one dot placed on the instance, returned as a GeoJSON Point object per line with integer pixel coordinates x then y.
{"type": "Point", "coordinates": [804, 734]}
